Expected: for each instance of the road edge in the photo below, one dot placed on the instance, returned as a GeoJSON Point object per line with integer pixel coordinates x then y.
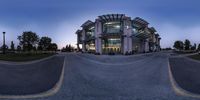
{"type": "Point", "coordinates": [50, 92]}
{"type": "Point", "coordinates": [177, 89]}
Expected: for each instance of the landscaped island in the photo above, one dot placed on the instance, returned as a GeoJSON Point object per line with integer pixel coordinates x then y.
{"type": "Point", "coordinates": [21, 57]}
{"type": "Point", "coordinates": [196, 56]}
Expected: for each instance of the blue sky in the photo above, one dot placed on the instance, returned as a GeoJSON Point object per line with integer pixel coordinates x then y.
{"type": "Point", "coordinates": [59, 19]}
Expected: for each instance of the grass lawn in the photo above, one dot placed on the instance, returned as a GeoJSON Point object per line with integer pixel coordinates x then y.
{"type": "Point", "coordinates": [185, 51]}
{"type": "Point", "coordinates": [196, 57]}
{"type": "Point", "coordinates": [21, 57]}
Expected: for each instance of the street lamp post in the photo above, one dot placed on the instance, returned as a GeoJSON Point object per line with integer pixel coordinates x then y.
{"type": "Point", "coordinates": [4, 48]}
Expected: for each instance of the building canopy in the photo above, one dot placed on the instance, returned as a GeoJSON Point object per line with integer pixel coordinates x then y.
{"type": "Point", "coordinates": [111, 17]}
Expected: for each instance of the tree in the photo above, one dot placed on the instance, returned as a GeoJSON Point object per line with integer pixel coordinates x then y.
{"type": "Point", "coordinates": [28, 40]}
{"type": "Point", "coordinates": [187, 44]}
{"type": "Point", "coordinates": [6, 47]}
{"type": "Point", "coordinates": [69, 48]}
{"type": "Point", "coordinates": [19, 48]}
{"type": "Point", "coordinates": [63, 49]}
{"type": "Point", "coordinates": [44, 43]}
{"type": "Point", "coordinates": [198, 48]}
{"type": "Point", "coordinates": [178, 45]}
{"type": "Point", "coordinates": [53, 47]}
{"type": "Point", "coordinates": [12, 46]}
{"type": "Point", "coordinates": [194, 47]}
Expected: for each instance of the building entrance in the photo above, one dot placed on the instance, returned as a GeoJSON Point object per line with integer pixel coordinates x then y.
{"type": "Point", "coordinates": [111, 45]}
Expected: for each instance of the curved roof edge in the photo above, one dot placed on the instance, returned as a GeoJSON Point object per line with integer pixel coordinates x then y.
{"type": "Point", "coordinates": [87, 23]}
{"type": "Point", "coordinates": [111, 17]}
{"type": "Point", "coordinates": [140, 21]}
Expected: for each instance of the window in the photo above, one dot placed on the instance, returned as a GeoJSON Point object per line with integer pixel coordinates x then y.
{"type": "Point", "coordinates": [112, 27]}
{"type": "Point", "coordinates": [90, 32]}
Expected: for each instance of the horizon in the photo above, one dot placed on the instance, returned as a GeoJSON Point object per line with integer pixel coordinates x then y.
{"type": "Point", "coordinates": [59, 19]}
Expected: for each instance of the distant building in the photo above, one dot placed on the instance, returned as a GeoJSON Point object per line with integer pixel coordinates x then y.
{"type": "Point", "coordinates": [117, 33]}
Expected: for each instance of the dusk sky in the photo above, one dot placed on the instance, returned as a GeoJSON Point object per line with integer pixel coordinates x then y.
{"type": "Point", "coordinates": [59, 19]}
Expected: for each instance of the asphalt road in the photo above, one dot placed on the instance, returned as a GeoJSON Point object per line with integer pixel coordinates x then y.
{"type": "Point", "coordinates": [30, 78]}
{"type": "Point", "coordinates": [90, 77]}
{"type": "Point", "coordinates": [186, 73]}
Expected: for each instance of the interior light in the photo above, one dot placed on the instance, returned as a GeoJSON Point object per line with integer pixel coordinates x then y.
{"type": "Point", "coordinates": [117, 26]}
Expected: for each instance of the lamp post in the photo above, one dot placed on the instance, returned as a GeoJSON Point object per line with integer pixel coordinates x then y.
{"type": "Point", "coordinates": [4, 48]}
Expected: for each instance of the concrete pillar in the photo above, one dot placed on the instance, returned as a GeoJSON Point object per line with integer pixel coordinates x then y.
{"type": "Point", "coordinates": [130, 45]}
{"type": "Point", "coordinates": [127, 41]}
{"type": "Point", "coordinates": [78, 36]}
{"type": "Point", "coordinates": [98, 32]}
{"type": "Point", "coordinates": [83, 38]}
{"type": "Point", "coordinates": [142, 46]}
{"type": "Point", "coordinates": [125, 46]}
{"type": "Point", "coordinates": [146, 45]}
{"type": "Point", "coordinates": [78, 48]}
{"type": "Point", "coordinates": [159, 43]}
{"type": "Point", "coordinates": [154, 42]}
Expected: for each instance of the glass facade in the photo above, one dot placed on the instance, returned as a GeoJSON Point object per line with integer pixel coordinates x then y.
{"type": "Point", "coordinates": [90, 32]}
{"type": "Point", "coordinates": [90, 46]}
{"type": "Point", "coordinates": [117, 33]}
{"type": "Point", "coordinates": [112, 27]}
{"type": "Point", "coordinates": [112, 45]}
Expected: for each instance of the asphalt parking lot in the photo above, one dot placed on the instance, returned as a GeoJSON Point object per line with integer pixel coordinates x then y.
{"type": "Point", "coordinates": [30, 78]}
{"type": "Point", "coordinates": [90, 77]}
{"type": "Point", "coordinates": [136, 77]}
{"type": "Point", "coordinates": [186, 72]}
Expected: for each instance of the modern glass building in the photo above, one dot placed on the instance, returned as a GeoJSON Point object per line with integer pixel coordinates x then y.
{"type": "Point", "coordinates": [117, 33]}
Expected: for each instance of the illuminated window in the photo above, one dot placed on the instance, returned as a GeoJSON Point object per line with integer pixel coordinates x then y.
{"type": "Point", "coordinates": [112, 27]}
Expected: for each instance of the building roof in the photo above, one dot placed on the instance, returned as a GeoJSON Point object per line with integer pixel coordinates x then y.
{"type": "Point", "coordinates": [87, 23]}
{"type": "Point", "coordinates": [78, 31]}
{"type": "Point", "coordinates": [111, 17]}
{"type": "Point", "coordinates": [140, 21]}
{"type": "Point", "coordinates": [152, 29]}
{"type": "Point", "coordinates": [142, 35]}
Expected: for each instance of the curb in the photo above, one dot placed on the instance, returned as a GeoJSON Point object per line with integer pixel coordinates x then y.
{"type": "Point", "coordinates": [177, 89]}
{"type": "Point", "coordinates": [50, 92]}
{"type": "Point", "coordinates": [184, 55]}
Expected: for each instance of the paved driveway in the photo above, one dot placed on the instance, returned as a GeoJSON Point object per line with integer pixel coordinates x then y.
{"type": "Point", "coordinates": [144, 77]}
